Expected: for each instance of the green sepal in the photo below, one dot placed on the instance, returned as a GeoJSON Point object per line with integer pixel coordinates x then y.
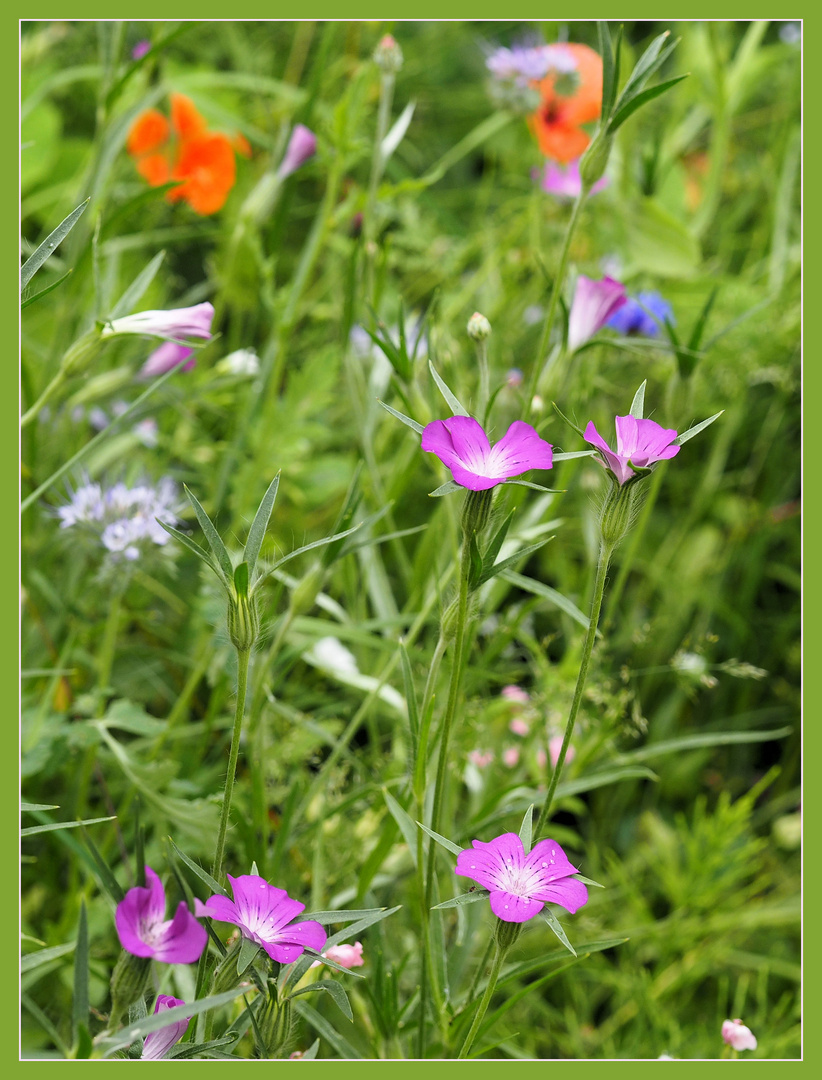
{"type": "Point", "coordinates": [258, 526]}
{"type": "Point", "coordinates": [241, 579]}
{"type": "Point", "coordinates": [638, 404]}
{"type": "Point", "coordinates": [525, 828]}
{"type": "Point", "coordinates": [454, 404]}
{"type": "Point", "coordinates": [549, 917]}
{"type": "Point", "coordinates": [570, 423]}
{"type": "Point", "coordinates": [247, 955]}
{"type": "Point", "coordinates": [695, 430]}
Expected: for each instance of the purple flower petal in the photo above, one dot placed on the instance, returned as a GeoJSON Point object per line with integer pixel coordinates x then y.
{"type": "Point", "coordinates": [140, 910]}
{"type": "Point", "coordinates": [461, 444]}
{"type": "Point", "coordinates": [294, 939]}
{"type": "Point", "coordinates": [165, 357]}
{"type": "Point", "coordinates": [568, 893]}
{"type": "Point", "coordinates": [521, 449]}
{"type": "Point", "coordinates": [182, 940]}
{"type": "Point", "coordinates": [158, 1043]}
{"type": "Point", "coordinates": [594, 303]}
{"type": "Point", "coordinates": [301, 146]}
{"type": "Point", "coordinates": [642, 442]}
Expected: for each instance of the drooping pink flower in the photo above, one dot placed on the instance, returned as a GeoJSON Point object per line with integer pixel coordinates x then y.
{"type": "Point", "coordinates": [301, 146]}
{"type": "Point", "coordinates": [169, 355]}
{"type": "Point", "coordinates": [737, 1035]}
{"type": "Point", "coordinates": [593, 305]}
{"type": "Point", "coordinates": [639, 442]}
{"type": "Point", "coordinates": [462, 445]}
{"type": "Point", "coordinates": [521, 884]}
{"type": "Point", "coordinates": [519, 726]}
{"type": "Point", "coordinates": [263, 914]}
{"type": "Point", "coordinates": [144, 931]}
{"type": "Point", "coordinates": [158, 1043]}
{"type": "Point", "coordinates": [510, 756]}
{"type": "Point", "coordinates": [565, 181]}
{"type": "Point", "coordinates": [347, 956]}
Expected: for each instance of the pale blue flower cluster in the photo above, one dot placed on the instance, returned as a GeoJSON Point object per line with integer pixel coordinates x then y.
{"type": "Point", "coordinates": [123, 517]}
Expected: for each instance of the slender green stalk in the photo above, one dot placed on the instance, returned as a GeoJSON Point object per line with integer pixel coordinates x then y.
{"type": "Point", "coordinates": [243, 656]}
{"type": "Point", "coordinates": [482, 1008]}
{"type": "Point", "coordinates": [605, 552]}
{"type": "Point", "coordinates": [637, 536]}
{"type": "Point", "coordinates": [556, 292]}
{"type": "Point", "coordinates": [45, 397]}
{"type": "Point", "coordinates": [387, 81]}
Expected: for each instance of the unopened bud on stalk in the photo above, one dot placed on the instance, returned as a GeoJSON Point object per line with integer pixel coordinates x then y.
{"type": "Point", "coordinates": [305, 594]}
{"type": "Point", "coordinates": [476, 510]}
{"type": "Point", "coordinates": [506, 933]}
{"type": "Point", "coordinates": [275, 1022]}
{"type": "Point", "coordinates": [388, 55]}
{"type": "Point", "coordinates": [80, 355]}
{"type": "Point", "coordinates": [478, 327]}
{"type": "Point", "coordinates": [225, 974]}
{"type": "Point", "coordinates": [617, 512]}
{"type": "Point", "coordinates": [595, 160]}
{"type": "Point", "coordinates": [128, 983]}
{"type": "Point", "coordinates": [243, 616]}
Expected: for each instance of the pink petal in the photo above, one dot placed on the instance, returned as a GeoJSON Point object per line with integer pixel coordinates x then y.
{"type": "Point", "coordinates": [221, 909]}
{"type": "Point", "coordinates": [511, 908]}
{"type": "Point", "coordinates": [593, 304]}
{"type": "Point", "coordinates": [567, 892]}
{"type": "Point", "coordinates": [262, 907]}
{"type": "Point", "coordinates": [158, 1043]}
{"type": "Point", "coordinates": [140, 908]}
{"type": "Point", "coordinates": [294, 939]}
{"type": "Point", "coordinates": [548, 858]}
{"type": "Point", "coordinates": [183, 939]}
{"type": "Point", "coordinates": [519, 450]}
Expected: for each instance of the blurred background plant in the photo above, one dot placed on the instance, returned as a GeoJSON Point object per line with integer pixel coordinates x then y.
{"type": "Point", "coordinates": [682, 797]}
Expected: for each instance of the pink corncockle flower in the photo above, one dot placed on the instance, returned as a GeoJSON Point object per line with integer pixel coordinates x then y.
{"type": "Point", "coordinates": [462, 445]}
{"type": "Point", "coordinates": [143, 930]}
{"type": "Point", "coordinates": [738, 1036]}
{"type": "Point", "coordinates": [510, 756]}
{"type": "Point", "coordinates": [565, 181]}
{"type": "Point", "coordinates": [515, 693]}
{"type": "Point", "coordinates": [263, 914]}
{"type": "Point", "coordinates": [480, 758]}
{"type": "Point", "coordinates": [639, 442]}
{"type": "Point", "coordinates": [347, 956]}
{"type": "Point", "coordinates": [554, 747]}
{"type": "Point", "coordinates": [140, 49]}
{"type": "Point", "coordinates": [169, 355]}
{"type": "Point", "coordinates": [593, 305]}
{"type": "Point", "coordinates": [301, 146]}
{"type": "Point", "coordinates": [522, 884]}
{"type": "Point", "coordinates": [176, 323]}
{"type": "Point", "coordinates": [514, 378]}
{"type": "Point", "coordinates": [158, 1043]}
{"type": "Point", "coordinates": [519, 726]}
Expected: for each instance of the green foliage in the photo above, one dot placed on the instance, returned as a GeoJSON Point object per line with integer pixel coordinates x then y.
{"type": "Point", "coordinates": [680, 793]}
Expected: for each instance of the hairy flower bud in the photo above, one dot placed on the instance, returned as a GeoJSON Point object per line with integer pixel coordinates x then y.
{"type": "Point", "coordinates": [128, 983]}
{"type": "Point", "coordinates": [478, 327]}
{"type": "Point", "coordinates": [617, 512]}
{"type": "Point", "coordinates": [388, 55]}
{"type": "Point", "coordinates": [506, 933]}
{"type": "Point", "coordinates": [595, 160]}
{"type": "Point", "coordinates": [476, 510]}
{"type": "Point", "coordinates": [276, 1022]}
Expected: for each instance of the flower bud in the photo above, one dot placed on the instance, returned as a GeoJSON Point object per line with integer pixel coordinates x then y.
{"type": "Point", "coordinates": [305, 594]}
{"type": "Point", "coordinates": [506, 933]}
{"type": "Point", "coordinates": [617, 512]}
{"type": "Point", "coordinates": [476, 510]}
{"type": "Point", "coordinates": [595, 160]}
{"type": "Point", "coordinates": [478, 327]}
{"type": "Point", "coordinates": [388, 55]}
{"type": "Point", "coordinates": [82, 353]}
{"type": "Point", "coordinates": [225, 974]}
{"type": "Point", "coordinates": [276, 1022]}
{"type": "Point", "coordinates": [243, 621]}
{"type": "Point", "coordinates": [128, 983]}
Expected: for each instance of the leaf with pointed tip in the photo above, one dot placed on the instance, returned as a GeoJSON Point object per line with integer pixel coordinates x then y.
{"type": "Point", "coordinates": [205, 877]}
{"type": "Point", "coordinates": [212, 536]}
{"type": "Point", "coordinates": [190, 1050]}
{"type": "Point", "coordinates": [570, 423]}
{"type": "Point", "coordinates": [397, 133]}
{"type": "Point", "coordinates": [192, 545]}
{"type": "Point", "coordinates": [246, 955]}
{"type": "Point", "coordinates": [645, 67]}
{"type": "Point", "coordinates": [405, 822]}
{"type": "Point", "coordinates": [497, 540]}
{"type": "Point", "coordinates": [641, 99]}
{"type": "Point", "coordinates": [443, 841]}
{"type": "Point", "coordinates": [587, 881]}
{"type": "Point", "coordinates": [258, 526]}
{"type": "Point", "coordinates": [454, 404]}
{"type": "Point", "coordinates": [107, 878]}
{"type": "Point", "coordinates": [310, 547]}
{"type": "Point", "coordinates": [464, 898]}
{"type": "Point", "coordinates": [329, 1033]}
{"type": "Point", "coordinates": [638, 404]}
{"type": "Point", "coordinates": [525, 828]}
{"type": "Point", "coordinates": [136, 290]}
{"type": "Point", "coordinates": [533, 486]}
{"type": "Point", "coordinates": [45, 250]}
{"type": "Point", "coordinates": [157, 1021]}
{"type": "Point", "coordinates": [44, 292]}
{"type": "Point", "coordinates": [396, 357]}
{"type": "Point", "coordinates": [410, 697]}
{"type": "Point", "coordinates": [445, 489]}
{"type": "Point", "coordinates": [405, 419]}
{"type": "Point", "coordinates": [554, 923]}
{"type": "Point", "coordinates": [55, 826]}
{"type": "Point", "coordinates": [547, 593]}
{"type": "Point", "coordinates": [499, 567]}
{"type": "Point", "coordinates": [335, 990]}
{"type": "Point", "coordinates": [610, 74]}
{"type": "Point", "coordinates": [689, 434]}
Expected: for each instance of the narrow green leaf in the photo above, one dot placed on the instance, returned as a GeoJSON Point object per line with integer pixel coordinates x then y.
{"type": "Point", "coordinates": [645, 66]}
{"type": "Point", "coordinates": [443, 841]}
{"type": "Point", "coordinates": [107, 878]}
{"type": "Point", "coordinates": [370, 915]}
{"type": "Point", "coordinates": [587, 881]}
{"type": "Point", "coordinates": [63, 825]}
{"type": "Point", "coordinates": [701, 740]}
{"type": "Point", "coordinates": [44, 292]}
{"type": "Point", "coordinates": [602, 779]}
{"type": "Point", "coordinates": [410, 697]}
{"type": "Point", "coordinates": [37, 806]}
{"type": "Point", "coordinates": [192, 545]}
{"type": "Point", "coordinates": [80, 1003]}
{"type": "Point", "coordinates": [206, 878]}
{"type": "Point", "coordinates": [547, 593]}
{"type": "Point", "coordinates": [191, 1050]}
{"type": "Point", "coordinates": [535, 487]}
{"type": "Point", "coordinates": [329, 1033]}
{"type": "Point", "coordinates": [689, 434]}
{"type": "Point", "coordinates": [44, 956]}
{"type": "Point", "coordinates": [241, 579]}
{"type": "Point", "coordinates": [212, 536]}
{"type": "Point", "coordinates": [642, 99]}
{"type": "Point", "coordinates": [45, 250]}
{"type": "Point", "coordinates": [405, 419]}
{"type": "Point", "coordinates": [137, 289]}
{"type": "Point", "coordinates": [570, 423]}
{"type": "Point", "coordinates": [574, 454]}
{"type": "Point", "coordinates": [637, 409]}
{"type": "Point", "coordinates": [470, 897]}
{"type": "Point", "coordinates": [454, 403]}
{"type": "Point", "coordinates": [335, 990]}
{"type": "Point", "coordinates": [609, 74]}
{"type": "Point", "coordinates": [406, 823]}
{"type": "Point", "coordinates": [157, 1021]}
{"type": "Point", "coordinates": [45, 1023]}
{"type": "Point", "coordinates": [259, 525]}
{"type": "Point", "coordinates": [445, 489]}
{"type": "Point", "coordinates": [311, 1052]}
{"type": "Point", "coordinates": [310, 547]}
{"type": "Point", "coordinates": [548, 916]}
{"type": "Point", "coordinates": [512, 560]}
{"type": "Point", "coordinates": [246, 955]}
{"type": "Point", "coordinates": [496, 542]}
{"type": "Point", "coordinates": [525, 828]}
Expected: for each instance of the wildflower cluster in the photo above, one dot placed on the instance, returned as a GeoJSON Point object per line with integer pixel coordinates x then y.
{"type": "Point", "coordinates": [124, 518]}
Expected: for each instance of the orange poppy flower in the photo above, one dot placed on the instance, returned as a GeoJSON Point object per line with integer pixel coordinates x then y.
{"type": "Point", "coordinates": [557, 122]}
{"type": "Point", "coordinates": [184, 150]}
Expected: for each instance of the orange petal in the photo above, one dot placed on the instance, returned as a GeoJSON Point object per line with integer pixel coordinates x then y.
{"type": "Point", "coordinates": [186, 120]}
{"type": "Point", "coordinates": [209, 170]}
{"type": "Point", "coordinates": [155, 169]}
{"type": "Point", "coordinates": [585, 104]}
{"type": "Point", "coordinates": [561, 142]}
{"type": "Point", "coordinates": [148, 132]}
{"type": "Point", "coordinates": [242, 145]}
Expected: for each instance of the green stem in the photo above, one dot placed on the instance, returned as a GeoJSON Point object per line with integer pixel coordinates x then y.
{"type": "Point", "coordinates": [482, 1008]}
{"type": "Point", "coordinates": [242, 681]}
{"type": "Point", "coordinates": [377, 166]}
{"type": "Point", "coordinates": [637, 536]}
{"type": "Point", "coordinates": [605, 552]}
{"type": "Point", "coordinates": [556, 292]}
{"type": "Point", "coordinates": [46, 396]}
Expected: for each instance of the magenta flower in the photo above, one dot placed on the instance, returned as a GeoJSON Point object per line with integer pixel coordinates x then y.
{"type": "Point", "coordinates": [301, 146]}
{"type": "Point", "coordinates": [522, 884]}
{"type": "Point", "coordinates": [593, 305]}
{"type": "Point", "coordinates": [190, 322]}
{"type": "Point", "coordinates": [158, 1043]}
{"type": "Point", "coordinates": [639, 442]}
{"type": "Point", "coordinates": [565, 181]}
{"type": "Point", "coordinates": [166, 357]}
{"type": "Point", "coordinates": [140, 49]}
{"type": "Point", "coordinates": [143, 931]}
{"type": "Point", "coordinates": [738, 1036]}
{"type": "Point", "coordinates": [264, 913]}
{"type": "Point", "coordinates": [462, 445]}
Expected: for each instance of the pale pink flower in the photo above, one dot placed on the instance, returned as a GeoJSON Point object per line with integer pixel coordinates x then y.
{"type": "Point", "coordinates": [738, 1036]}
{"type": "Point", "coordinates": [515, 693]}
{"type": "Point", "coordinates": [593, 305]}
{"type": "Point", "coordinates": [347, 956]}
{"type": "Point", "coordinates": [519, 726]}
{"type": "Point", "coordinates": [510, 756]}
{"type": "Point", "coordinates": [480, 758]}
